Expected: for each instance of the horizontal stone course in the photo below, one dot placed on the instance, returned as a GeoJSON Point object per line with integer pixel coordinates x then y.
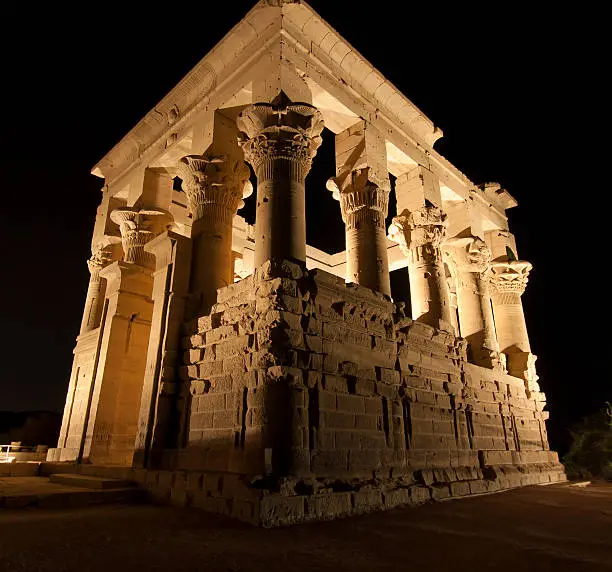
{"type": "Point", "coordinates": [365, 400]}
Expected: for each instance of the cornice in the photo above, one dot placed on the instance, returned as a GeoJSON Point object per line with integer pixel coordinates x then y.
{"type": "Point", "coordinates": [241, 46]}
{"type": "Point", "coordinates": [301, 33]}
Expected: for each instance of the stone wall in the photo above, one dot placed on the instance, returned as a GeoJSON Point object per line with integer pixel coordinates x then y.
{"type": "Point", "coordinates": [307, 386]}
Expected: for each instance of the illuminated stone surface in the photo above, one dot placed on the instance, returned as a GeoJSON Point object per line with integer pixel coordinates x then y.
{"type": "Point", "coordinates": [242, 371]}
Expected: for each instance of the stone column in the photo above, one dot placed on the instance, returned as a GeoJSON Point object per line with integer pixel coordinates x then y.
{"type": "Point", "coordinates": [137, 228]}
{"type": "Point", "coordinates": [362, 187]}
{"type": "Point", "coordinates": [508, 280]}
{"type": "Point", "coordinates": [470, 257]}
{"type": "Point", "coordinates": [113, 406]}
{"type": "Point", "coordinates": [280, 140]}
{"type": "Point", "coordinates": [215, 187]}
{"type": "Point", "coordinates": [364, 204]}
{"type": "Point", "coordinates": [451, 284]}
{"type": "Point", "coordinates": [95, 291]}
{"type": "Point", "coordinates": [157, 425]}
{"type": "Point", "coordinates": [420, 234]}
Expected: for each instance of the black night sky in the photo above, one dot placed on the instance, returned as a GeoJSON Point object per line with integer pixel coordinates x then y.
{"type": "Point", "coordinates": [507, 85]}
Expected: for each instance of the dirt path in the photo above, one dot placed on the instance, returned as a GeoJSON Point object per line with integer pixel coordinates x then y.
{"type": "Point", "coordinates": [556, 528]}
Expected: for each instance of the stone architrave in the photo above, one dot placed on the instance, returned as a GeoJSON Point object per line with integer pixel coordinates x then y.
{"type": "Point", "coordinates": [508, 280]}
{"type": "Point", "coordinates": [362, 187]}
{"type": "Point", "coordinates": [280, 139]}
{"type": "Point", "coordinates": [215, 187]}
{"type": "Point", "coordinates": [420, 235]}
{"type": "Point", "coordinates": [470, 258]}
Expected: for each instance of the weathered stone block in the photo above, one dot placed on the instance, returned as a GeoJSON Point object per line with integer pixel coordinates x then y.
{"type": "Point", "coordinates": [325, 462]}
{"type": "Point", "coordinates": [459, 489]}
{"type": "Point", "coordinates": [419, 494]}
{"type": "Point", "coordinates": [367, 501]}
{"type": "Point", "coordinates": [275, 510]}
{"type": "Point", "coordinates": [328, 506]}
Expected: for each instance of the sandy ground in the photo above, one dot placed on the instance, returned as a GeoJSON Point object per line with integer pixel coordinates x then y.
{"type": "Point", "coordinates": [558, 528]}
{"type": "Point", "coordinates": [16, 486]}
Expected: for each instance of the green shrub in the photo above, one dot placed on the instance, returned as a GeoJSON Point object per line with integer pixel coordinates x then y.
{"type": "Point", "coordinates": [590, 454]}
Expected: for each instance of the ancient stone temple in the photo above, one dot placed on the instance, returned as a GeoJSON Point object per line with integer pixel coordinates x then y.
{"type": "Point", "coordinates": [238, 369]}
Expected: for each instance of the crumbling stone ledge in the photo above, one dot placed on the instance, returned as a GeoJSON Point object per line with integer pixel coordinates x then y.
{"type": "Point", "coordinates": [291, 501]}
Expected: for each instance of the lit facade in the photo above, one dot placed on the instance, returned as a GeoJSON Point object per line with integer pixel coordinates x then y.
{"type": "Point", "coordinates": [236, 368]}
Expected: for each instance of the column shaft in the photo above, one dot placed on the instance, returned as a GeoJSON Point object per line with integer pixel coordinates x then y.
{"type": "Point", "coordinates": [362, 187]}
{"type": "Point", "coordinates": [365, 244]}
{"type": "Point", "coordinates": [420, 234]}
{"type": "Point", "coordinates": [94, 302]}
{"type": "Point", "coordinates": [510, 322]}
{"type": "Point", "coordinates": [489, 337]}
{"type": "Point", "coordinates": [280, 140]}
{"type": "Point", "coordinates": [215, 186]}
{"type": "Point", "coordinates": [364, 207]}
{"type": "Point", "coordinates": [161, 396]}
{"type": "Point", "coordinates": [476, 316]}
{"type": "Point", "coordinates": [280, 226]}
{"type": "Point", "coordinates": [428, 288]}
{"type": "Point", "coordinates": [212, 255]}
{"type": "Point", "coordinates": [508, 281]}
{"type": "Point", "coordinates": [470, 258]}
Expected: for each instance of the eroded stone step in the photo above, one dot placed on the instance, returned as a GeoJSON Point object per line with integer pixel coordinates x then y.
{"type": "Point", "coordinates": [89, 482]}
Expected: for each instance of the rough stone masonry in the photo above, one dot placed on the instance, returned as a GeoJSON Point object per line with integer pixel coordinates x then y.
{"type": "Point", "coordinates": [236, 368]}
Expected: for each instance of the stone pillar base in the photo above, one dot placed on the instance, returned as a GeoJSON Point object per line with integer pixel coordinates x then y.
{"type": "Point", "coordinates": [53, 455]}
{"type": "Point", "coordinates": [64, 454]}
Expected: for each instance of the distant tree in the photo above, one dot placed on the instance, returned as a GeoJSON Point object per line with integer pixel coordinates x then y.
{"type": "Point", "coordinates": [590, 454]}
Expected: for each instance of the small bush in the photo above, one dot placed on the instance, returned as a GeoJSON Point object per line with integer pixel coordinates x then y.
{"type": "Point", "coordinates": [590, 454]}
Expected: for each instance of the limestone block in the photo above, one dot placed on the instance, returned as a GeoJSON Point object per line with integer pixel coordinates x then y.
{"type": "Point", "coordinates": [420, 494]}
{"type": "Point", "coordinates": [372, 440]}
{"type": "Point", "coordinates": [365, 386]}
{"type": "Point", "coordinates": [396, 498]}
{"type": "Point", "coordinates": [440, 491]}
{"type": "Point", "coordinates": [368, 422]}
{"type": "Point", "coordinates": [211, 402]}
{"type": "Point", "coordinates": [367, 501]}
{"type": "Point", "coordinates": [363, 460]}
{"type": "Point", "coordinates": [329, 506]}
{"type": "Point", "coordinates": [347, 440]}
{"type": "Point", "coordinates": [329, 462]}
{"type": "Point", "coordinates": [337, 420]}
{"type": "Point", "coordinates": [275, 510]}
{"type": "Point", "coordinates": [351, 404]}
{"type": "Point", "coordinates": [209, 368]}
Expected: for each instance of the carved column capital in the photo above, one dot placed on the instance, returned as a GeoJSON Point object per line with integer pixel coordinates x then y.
{"type": "Point", "coordinates": [469, 255]}
{"type": "Point", "coordinates": [420, 233]}
{"type": "Point", "coordinates": [363, 198]}
{"type": "Point", "coordinates": [137, 228]}
{"type": "Point", "coordinates": [219, 182]}
{"type": "Point", "coordinates": [282, 130]}
{"type": "Point", "coordinates": [478, 256]}
{"type": "Point", "coordinates": [100, 258]}
{"type": "Point", "coordinates": [509, 277]}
